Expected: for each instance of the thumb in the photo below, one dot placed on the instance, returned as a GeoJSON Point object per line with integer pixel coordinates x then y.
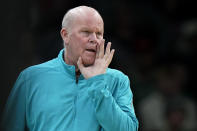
{"type": "Point", "coordinates": [79, 63]}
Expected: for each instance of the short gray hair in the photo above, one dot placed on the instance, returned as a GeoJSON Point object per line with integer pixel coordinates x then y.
{"type": "Point", "coordinates": [67, 19]}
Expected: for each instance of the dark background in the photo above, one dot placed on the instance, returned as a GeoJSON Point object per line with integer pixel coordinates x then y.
{"type": "Point", "coordinates": [148, 35]}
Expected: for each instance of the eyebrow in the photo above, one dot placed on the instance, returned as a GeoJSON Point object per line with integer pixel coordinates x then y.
{"type": "Point", "coordinates": [86, 28]}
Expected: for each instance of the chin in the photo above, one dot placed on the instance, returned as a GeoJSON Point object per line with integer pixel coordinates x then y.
{"type": "Point", "coordinates": [88, 62]}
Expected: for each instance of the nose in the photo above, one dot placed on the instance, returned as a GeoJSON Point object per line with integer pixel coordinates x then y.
{"type": "Point", "coordinates": [93, 38]}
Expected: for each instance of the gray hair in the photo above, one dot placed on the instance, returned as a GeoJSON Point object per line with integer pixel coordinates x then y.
{"type": "Point", "coordinates": [67, 19]}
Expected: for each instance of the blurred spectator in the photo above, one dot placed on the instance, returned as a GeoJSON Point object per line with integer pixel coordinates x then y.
{"type": "Point", "coordinates": [167, 108]}
{"type": "Point", "coordinates": [186, 44]}
{"type": "Point", "coordinates": [175, 114]}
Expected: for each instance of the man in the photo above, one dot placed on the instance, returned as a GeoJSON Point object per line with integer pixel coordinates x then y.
{"type": "Point", "coordinates": [75, 91]}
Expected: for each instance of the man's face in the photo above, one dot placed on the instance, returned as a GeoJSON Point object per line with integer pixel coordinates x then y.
{"type": "Point", "coordinates": [85, 34]}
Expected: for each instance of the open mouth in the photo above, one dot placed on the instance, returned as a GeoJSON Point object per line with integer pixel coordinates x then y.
{"type": "Point", "coordinates": [91, 50]}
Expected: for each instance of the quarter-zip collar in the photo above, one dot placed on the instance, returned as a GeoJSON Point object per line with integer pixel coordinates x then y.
{"type": "Point", "coordinates": [68, 69]}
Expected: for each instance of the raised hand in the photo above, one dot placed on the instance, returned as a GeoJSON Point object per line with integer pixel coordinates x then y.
{"type": "Point", "coordinates": [102, 61]}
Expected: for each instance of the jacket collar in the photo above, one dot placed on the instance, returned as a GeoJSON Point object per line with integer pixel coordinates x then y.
{"type": "Point", "coordinates": [68, 69]}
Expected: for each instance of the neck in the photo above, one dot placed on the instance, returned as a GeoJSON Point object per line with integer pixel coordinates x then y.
{"type": "Point", "coordinates": [67, 61]}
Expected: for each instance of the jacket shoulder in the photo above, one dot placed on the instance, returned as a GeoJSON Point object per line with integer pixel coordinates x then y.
{"type": "Point", "coordinates": [50, 65]}
{"type": "Point", "coordinates": [117, 74]}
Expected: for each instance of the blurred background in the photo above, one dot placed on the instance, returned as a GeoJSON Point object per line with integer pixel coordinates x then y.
{"type": "Point", "coordinates": [155, 44]}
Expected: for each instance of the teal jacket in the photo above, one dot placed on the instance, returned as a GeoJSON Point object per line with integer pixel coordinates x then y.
{"type": "Point", "coordinates": [47, 97]}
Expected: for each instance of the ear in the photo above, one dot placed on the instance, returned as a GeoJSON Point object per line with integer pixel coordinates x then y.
{"type": "Point", "coordinates": [64, 35]}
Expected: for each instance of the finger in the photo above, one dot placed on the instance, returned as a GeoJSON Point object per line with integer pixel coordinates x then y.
{"type": "Point", "coordinates": [107, 52]}
{"type": "Point", "coordinates": [101, 49]}
{"type": "Point", "coordinates": [109, 59]}
{"type": "Point", "coordinates": [80, 64]}
{"type": "Point", "coordinates": [97, 50]}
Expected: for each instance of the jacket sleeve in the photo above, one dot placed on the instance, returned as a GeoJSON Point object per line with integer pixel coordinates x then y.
{"type": "Point", "coordinates": [113, 114]}
{"type": "Point", "coordinates": [13, 118]}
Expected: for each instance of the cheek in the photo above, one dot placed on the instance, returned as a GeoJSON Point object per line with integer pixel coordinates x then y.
{"type": "Point", "coordinates": [81, 46]}
{"type": "Point", "coordinates": [78, 48]}
{"type": "Point", "coordinates": [78, 44]}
